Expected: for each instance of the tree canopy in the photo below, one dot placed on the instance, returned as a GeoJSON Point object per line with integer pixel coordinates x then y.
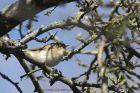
{"type": "Point", "coordinates": [107, 35]}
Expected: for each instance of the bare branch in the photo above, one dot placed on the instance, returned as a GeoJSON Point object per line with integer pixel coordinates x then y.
{"type": "Point", "coordinates": [17, 12]}
{"type": "Point", "coordinates": [8, 79]}
{"type": "Point", "coordinates": [33, 79]}
{"type": "Point", "coordinates": [73, 21]}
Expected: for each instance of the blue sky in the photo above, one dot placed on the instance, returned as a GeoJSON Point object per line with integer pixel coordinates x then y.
{"type": "Point", "coordinates": [69, 68]}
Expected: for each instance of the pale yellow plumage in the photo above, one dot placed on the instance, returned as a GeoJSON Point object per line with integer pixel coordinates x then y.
{"type": "Point", "coordinates": [50, 55]}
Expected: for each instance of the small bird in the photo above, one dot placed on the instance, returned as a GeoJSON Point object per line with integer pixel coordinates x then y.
{"type": "Point", "coordinates": [49, 55]}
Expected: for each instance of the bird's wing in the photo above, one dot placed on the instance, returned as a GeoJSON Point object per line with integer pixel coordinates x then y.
{"type": "Point", "coordinates": [38, 48]}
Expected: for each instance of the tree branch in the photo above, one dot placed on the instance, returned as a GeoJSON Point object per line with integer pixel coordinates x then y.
{"type": "Point", "coordinates": [33, 79]}
{"type": "Point", "coordinates": [73, 21]}
{"type": "Point", "coordinates": [22, 10]}
{"type": "Point", "coordinates": [58, 77]}
{"type": "Point", "coordinates": [8, 79]}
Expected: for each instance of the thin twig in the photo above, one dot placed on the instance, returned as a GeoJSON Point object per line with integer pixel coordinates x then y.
{"type": "Point", "coordinates": [81, 46]}
{"type": "Point", "coordinates": [31, 72]}
{"type": "Point", "coordinates": [31, 76]}
{"type": "Point", "coordinates": [59, 24]}
{"type": "Point", "coordinates": [8, 79]}
{"type": "Point", "coordinates": [58, 77]}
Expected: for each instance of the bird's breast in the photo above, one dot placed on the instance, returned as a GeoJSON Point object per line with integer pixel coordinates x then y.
{"type": "Point", "coordinates": [50, 57]}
